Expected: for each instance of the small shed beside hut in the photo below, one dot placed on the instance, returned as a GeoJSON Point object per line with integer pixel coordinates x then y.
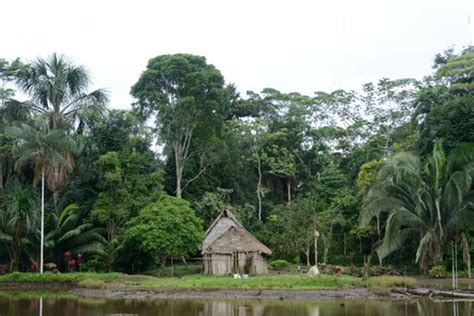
{"type": "Point", "coordinates": [229, 248]}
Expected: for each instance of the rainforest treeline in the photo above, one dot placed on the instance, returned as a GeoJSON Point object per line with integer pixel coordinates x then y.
{"type": "Point", "coordinates": [383, 174]}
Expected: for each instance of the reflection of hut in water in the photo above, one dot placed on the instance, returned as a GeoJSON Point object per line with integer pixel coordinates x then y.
{"type": "Point", "coordinates": [229, 248]}
{"type": "Point", "coordinates": [217, 308]}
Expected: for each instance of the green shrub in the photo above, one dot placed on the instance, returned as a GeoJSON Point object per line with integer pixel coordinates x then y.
{"type": "Point", "coordinates": [279, 264]}
{"type": "Point", "coordinates": [438, 271]}
{"type": "Point", "coordinates": [95, 263]}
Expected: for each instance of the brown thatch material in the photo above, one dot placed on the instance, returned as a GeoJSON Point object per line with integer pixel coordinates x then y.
{"type": "Point", "coordinates": [237, 239]}
{"type": "Point", "coordinates": [227, 235]}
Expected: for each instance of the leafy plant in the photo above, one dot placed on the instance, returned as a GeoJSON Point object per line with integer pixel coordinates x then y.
{"type": "Point", "coordinates": [279, 264]}
{"type": "Point", "coordinates": [438, 271]}
{"type": "Point", "coordinates": [168, 228]}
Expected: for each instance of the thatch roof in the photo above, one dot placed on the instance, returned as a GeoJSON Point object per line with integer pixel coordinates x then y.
{"type": "Point", "coordinates": [227, 235]}
{"type": "Point", "coordinates": [224, 214]}
{"type": "Point", "coordinates": [237, 239]}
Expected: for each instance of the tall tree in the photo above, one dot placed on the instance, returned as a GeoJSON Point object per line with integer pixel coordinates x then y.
{"type": "Point", "coordinates": [444, 107]}
{"type": "Point", "coordinates": [59, 88]}
{"type": "Point", "coordinates": [389, 105]}
{"type": "Point", "coordinates": [457, 72]}
{"type": "Point", "coordinates": [9, 112]}
{"type": "Point", "coordinates": [188, 97]}
{"type": "Point", "coordinates": [43, 149]}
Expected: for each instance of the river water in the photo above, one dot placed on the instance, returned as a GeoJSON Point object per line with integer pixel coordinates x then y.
{"type": "Point", "coordinates": [55, 304]}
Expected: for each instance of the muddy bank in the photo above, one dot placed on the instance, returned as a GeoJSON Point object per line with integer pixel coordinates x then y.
{"type": "Point", "coordinates": [280, 295]}
{"type": "Point", "coordinates": [37, 286]}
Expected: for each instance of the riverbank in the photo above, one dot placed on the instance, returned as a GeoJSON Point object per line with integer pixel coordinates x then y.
{"type": "Point", "coordinates": [230, 294]}
{"type": "Point", "coordinates": [294, 287]}
{"type": "Point", "coordinates": [199, 281]}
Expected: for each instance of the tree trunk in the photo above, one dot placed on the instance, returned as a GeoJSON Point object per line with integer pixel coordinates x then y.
{"type": "Point", "coordinates": [10, 255]}
{"type": "Point", "coordinates": [438, 213]}
{"type": "Point", "coordinates": [306, 253]}
{"type": "Point", "coordinates": [378, 235]}
{"type": "Point", "coordinates": [288, 190]}
{"type": "Point", "coordinates": [345, 245]}
{"type": "Point", "coordinates": [465, 253]}
{"type": "Point", "coordinates": [259, 188]}
{"type": "Point", "coordinates": [325, 255]}
{"type": "Point", "coordinates": [15, 260]}
{"type": "Point", "coordinates": [326, 246]}
{"type": "Point", "coordinates": [162, 266]}
{"type": "Point", "coordinates": [453, 272]}
{"type": "Point", "coordinates": [456, 262]}
{"type": "Point", "coordinates": [179, 173]}
{"type": "Point", "coordinates": [316, 250]}
{"type": "Point", "coordinates": [42, 222]}
{"type": "Point", "coordinates": [109, 268]}
{"type": "Point", "coordinates": [367, 260]}
{"type": "Point", "coordinates": [181, 154]}
{"type": "Point", "coordinates": [55, 198]}
{"type": "Point", "coordinates": [14, 251]}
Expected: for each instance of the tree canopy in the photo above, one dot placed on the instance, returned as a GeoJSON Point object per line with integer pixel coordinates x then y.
{"type": "Point", "coordinates": [385, 169]}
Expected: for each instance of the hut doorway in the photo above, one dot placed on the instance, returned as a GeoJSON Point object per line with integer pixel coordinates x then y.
{"type": "Point", "coordinates": [235, 262]}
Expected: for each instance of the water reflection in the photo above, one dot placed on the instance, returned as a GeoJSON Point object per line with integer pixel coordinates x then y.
{"type": "Point", "coordinates": [12, 304]}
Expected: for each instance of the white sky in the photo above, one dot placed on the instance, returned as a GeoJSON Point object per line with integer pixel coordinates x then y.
{"type": "Point", "coordinates": [296, 45]}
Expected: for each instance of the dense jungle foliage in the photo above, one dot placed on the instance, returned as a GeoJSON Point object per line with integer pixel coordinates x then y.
{"type": "Point", "coordinates": [384, 173]}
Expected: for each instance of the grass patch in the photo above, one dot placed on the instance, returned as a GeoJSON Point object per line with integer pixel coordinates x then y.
{"type": "Point", "coordinates": [292, 282]}
{"type": "Point", "coordinates": [199, 281]}
{"type": "Point", "coordinates": [177, 270]}
{"type": "Point", "coordinates": [59, 277]}
{"type": "Point", "coordinates": [384, 282]}
{"type": "Point", "coordinates": [92, 284]}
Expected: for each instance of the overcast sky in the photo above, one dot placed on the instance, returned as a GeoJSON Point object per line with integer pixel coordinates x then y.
{"type": "Point", "coordinates": [291, 45]}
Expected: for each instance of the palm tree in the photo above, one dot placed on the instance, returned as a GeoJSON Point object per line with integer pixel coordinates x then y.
{"type": "Point", "coordinates": [59, 88]}
{"type": "Point", "coordinates": [17, 219]}
{"type": "Point", "coordinates": [67, 231]}
{"type": "Point", "coordinates": [430, 202]}
{"type": "Point", "coordinates": [45, 149]}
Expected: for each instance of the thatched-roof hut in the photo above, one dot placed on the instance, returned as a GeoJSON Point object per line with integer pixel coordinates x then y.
{"type": "Point", "coordinates": [229, 248]}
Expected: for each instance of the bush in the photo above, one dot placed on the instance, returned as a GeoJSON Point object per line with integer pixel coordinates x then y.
{"type": "Point", "coordinates": [94, 263]}
{"type": "Point", "coordinates": [279, 264]}
{"type": "Point", "coordinates": [168, 228]}
{"type": "Point", "coordinates": [438, 271]}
